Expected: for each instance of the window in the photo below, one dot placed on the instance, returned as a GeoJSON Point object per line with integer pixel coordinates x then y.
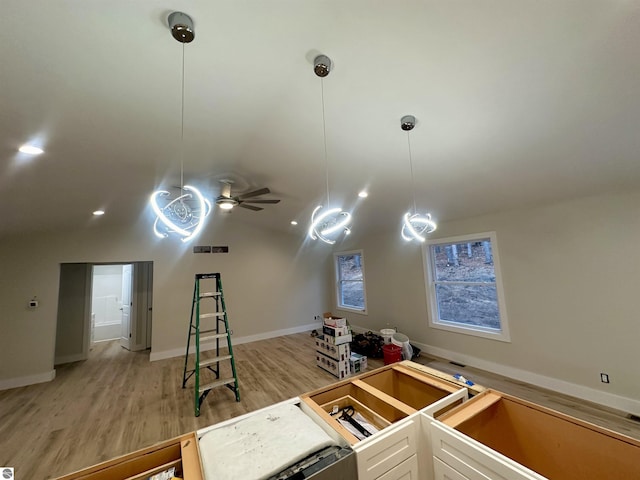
{"type": "Point", "coordinates": [350, 281]}
{"type": "Point", "coordinates": [464, 286]}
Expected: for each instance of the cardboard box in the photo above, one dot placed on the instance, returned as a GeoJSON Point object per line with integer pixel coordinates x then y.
{"type": "Point", "coordinates": [335, 322]}
{"type": "Point", "coordinates": [339, 369]}
{"type": "Point", "coordinates": [337, 352]}
{"type": "Point", "coordinates": [335, 331]}
{"type": "Point", "coordinates": [332, 321]}
{"type": "Point", "coordinates": [340, 340]}
{"type": "Point", "coordinates": [357, 363]}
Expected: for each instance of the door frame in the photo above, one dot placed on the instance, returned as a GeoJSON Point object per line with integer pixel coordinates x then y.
{"type": "Point", "coordinates": [141, 311]}
{"type": "Point", "coordinates": [140, 315]}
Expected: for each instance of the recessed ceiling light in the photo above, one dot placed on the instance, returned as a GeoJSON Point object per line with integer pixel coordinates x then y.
{"type": "Point", "coordinates": [293, 222]}
{"type": "Point", "coordinates": [98, 212]}
{"type": "Point", "coordinates": [30, 149]}
{"type": "Point", "coordinates": [363, 194]}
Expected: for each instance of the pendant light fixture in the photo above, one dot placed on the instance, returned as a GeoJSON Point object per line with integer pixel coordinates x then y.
{"type": "Point", "coordinates": [327, 224]}
{"type": "Point", "coordinates": [414, 226]}
{"type": "Point", "coordinates": [183, 215]}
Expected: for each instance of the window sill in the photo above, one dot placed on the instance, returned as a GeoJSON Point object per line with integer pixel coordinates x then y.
{"type": "Point", "coordinates": [352, 310]}
{"type": "Point", "coordinates": [499, 335]}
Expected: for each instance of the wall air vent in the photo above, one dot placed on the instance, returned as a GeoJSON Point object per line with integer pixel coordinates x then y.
{"type": "Point", "coordinates": [210, 249]}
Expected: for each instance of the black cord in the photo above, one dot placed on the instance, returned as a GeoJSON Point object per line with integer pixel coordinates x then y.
{"type": "Point", "coordinates": [347, 413]}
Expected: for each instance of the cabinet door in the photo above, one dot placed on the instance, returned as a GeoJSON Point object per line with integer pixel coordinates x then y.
{"type": "Point", "coordinates": [407, 470]}
{"type": "Point", "coordinates": [378, 454]}
{"type": "Point", "coordinates": [445, 472]}
{"type": "Point", "coordinates": [473, 459]}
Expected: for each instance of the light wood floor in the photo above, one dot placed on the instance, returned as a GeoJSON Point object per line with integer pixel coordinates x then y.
{"type": "Point", "coordinates": [118, 401]}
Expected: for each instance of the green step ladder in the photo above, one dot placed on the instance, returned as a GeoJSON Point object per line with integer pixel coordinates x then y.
{"type": "Point", "coordinates": [209, 322]}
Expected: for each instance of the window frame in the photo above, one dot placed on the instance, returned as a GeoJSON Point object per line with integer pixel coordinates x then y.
{"type": "Point", "coordinates": [339, 282]}
{"type": "Point", "coordinates": [429, 267]}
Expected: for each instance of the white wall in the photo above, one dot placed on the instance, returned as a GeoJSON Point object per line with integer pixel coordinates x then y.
{"type": "Point", "coordinates": [271, 283]}
{"type": "Point", "coordinates": [106, 302]}
{"type": "Point", "coordinates": [571, 273]}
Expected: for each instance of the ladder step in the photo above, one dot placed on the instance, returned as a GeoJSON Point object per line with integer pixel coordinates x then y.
{"type": "Point", "coordinates": [205, 331]}
{"type": "Point", "coordinates": [217, 383]}
{"type": "Point", "coordinates": [214, 360]}
{"type": "Point", "coordinates": [194, 331]}
{"type": "Point", "coordinates": [209, 294]}
{"type": "Point", "coordinates": [211, 315]}
{"type": "Point", "coordinates": [213, 337]}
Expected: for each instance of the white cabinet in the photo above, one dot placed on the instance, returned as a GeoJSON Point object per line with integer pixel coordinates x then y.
{"type": "Point", "coordinates": [445, 472]}
{"type": "Point", "coordinates": [379, 453]}
{"type": "Point", "coordinates": [471, 459]}
{"type": "Point", "coordinates": [407, 470]}
{"type": "Point", "coordinates": [395, 399]}
{"type": "Point", "coordinates": [496, 436]}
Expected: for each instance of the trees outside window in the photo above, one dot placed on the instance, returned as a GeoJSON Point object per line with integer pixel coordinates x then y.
{"type": "Point", "coordinates": [350, 281]}
{"type": "Point", "coordinates": [464, 286]}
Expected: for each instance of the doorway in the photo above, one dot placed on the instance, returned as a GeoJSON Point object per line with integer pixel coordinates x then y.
{"type": "Point", "coordinates": [110, 302]}
{"type": "Point", "coordinates": [99, 302]}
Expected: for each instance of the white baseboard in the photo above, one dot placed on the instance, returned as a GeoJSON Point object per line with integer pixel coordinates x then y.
{"type": "Point", "coordinates": [611, 400]}
{"type": "Point", "coordinates": [28, 380]}
{"type": "Point", "coordinates": [76, 357]}
{"type": "Point", "coordinates": [178, 352]}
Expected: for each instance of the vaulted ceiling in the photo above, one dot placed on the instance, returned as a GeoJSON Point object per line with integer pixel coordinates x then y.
{"type": "Point", "coordinates": [519, 103]}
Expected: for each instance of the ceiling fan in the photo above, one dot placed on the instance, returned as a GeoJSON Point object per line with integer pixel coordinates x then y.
{"type": "Point", "coordinates": [226, 202]}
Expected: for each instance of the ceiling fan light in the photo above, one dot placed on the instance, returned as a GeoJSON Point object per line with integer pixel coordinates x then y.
{"type": "Point", "coordinates": [226, 204]}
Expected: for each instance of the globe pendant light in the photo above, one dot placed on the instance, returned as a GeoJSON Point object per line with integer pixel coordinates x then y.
{"type": "Point", "coordinates": [183, 215]}
{"type": "Point", "coordinates": [327, 223]}
{"type": "Point", "coordinates": [414, 226]}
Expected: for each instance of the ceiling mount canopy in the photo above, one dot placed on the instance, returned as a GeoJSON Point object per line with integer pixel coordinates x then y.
{"type": "Point", "coordinates": [414, 226]}
{"type": "Point", "coordinates": [327, 223]}
{"type": "Point", "coordinates": [183, 215]}
{"type": "Point", "coordinates": [181, 26]}
{"type": "Point", "coordinates": [322, 65]}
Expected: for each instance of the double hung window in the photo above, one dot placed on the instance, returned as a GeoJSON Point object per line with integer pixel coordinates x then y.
{"type": "Point", "coordinates": [464, 286]}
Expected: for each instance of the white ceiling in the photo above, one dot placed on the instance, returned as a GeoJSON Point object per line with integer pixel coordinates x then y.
{"type": "Point", "coordinates": [518, 103]}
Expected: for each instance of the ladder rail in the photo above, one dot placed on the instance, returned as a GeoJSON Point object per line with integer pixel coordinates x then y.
{"type": "Point", "coordinates": [202, 389]}
{"type": "Point", "coordinates": [186, 357]}
{"type": "Point", "coordinates": [230, 347]}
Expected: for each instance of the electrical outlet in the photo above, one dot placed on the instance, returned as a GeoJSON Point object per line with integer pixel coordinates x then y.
{"type": "Point", "coordinates": [604, 378]}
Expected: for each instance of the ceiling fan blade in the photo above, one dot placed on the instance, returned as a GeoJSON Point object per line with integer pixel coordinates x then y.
{"type": "Point", "coordinates": [255, 193]}
{"type": "Point", "coordinates": [250, 207]}
{"type": "Point", "coordinates": [262, 201]}
{"type": "Point", "coordinates": [226, 190]}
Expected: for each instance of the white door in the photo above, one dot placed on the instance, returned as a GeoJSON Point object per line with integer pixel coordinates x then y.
{"type": "Point", "coordinates": [127, 295]}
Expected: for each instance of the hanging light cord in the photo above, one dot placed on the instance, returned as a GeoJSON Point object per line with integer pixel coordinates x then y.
{"type": "Point", "coordinates": [413, 186]}
{"type": "Point", "coordinates": [324, 136]}
{"type": "Point", "coordinates": [182, 129]}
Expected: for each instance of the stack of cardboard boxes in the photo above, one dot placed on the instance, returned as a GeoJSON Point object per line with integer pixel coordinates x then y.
{"type": "Point", "coordinates": [333, 352]}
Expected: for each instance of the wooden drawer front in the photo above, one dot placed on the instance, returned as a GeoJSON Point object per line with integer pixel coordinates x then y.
{"type": "Point", "coordinates": [472, 459]}
{"type": "Point", "coordinates": [445, 472]}
{"type": "Point", "coordinates": [383, 451]}
{"type": "Point", "coordinates": [407, 470]}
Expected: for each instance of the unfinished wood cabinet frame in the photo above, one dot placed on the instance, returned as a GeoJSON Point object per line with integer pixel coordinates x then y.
{"type": "Point", "coordinates": [383, 404]}
{"type": "Point", "coordinates": [181, 452]}
{"type": "Point", "coordinates": [541, 440]}
{"type": "Point", "coordinates": [372, 417]}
